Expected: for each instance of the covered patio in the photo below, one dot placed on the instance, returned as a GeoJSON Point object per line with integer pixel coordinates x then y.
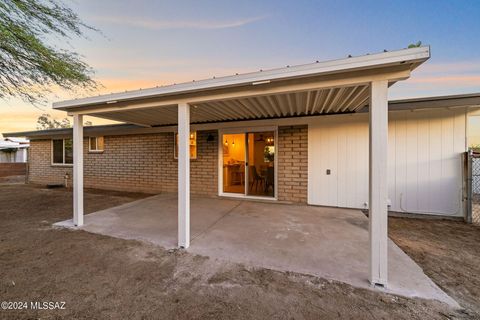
{"type": "Point", "coordinates": [286, 95]}
{"type": "Point", "coordinates": [327, 242]}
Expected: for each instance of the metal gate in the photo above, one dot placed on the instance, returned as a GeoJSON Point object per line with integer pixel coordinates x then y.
{"type": "Point", "coordinates": [473, 187]}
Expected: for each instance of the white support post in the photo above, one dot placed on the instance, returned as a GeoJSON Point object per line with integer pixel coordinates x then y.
{"type": "Point", "coordinates": [78, 170]}
{"type": "Point", "coordinates": [378, 188]}
{"type": "Point", "coordinates": [183, 175]}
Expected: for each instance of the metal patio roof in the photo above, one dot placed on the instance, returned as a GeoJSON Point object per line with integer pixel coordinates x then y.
{"type": "Point", "coordinates": [413, 56]}
{"type": "Point", "coordinates": [330, 87]}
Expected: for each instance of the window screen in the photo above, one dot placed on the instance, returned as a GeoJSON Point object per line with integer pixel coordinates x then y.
{"type": "Point", "coordinates": [62, 151]}
{"type": "Point", "coordinates": [96, 144]}
{"type": "Point", "coordinates": [93, 143]}
{"type": "Point", "coordinates": [68, 151]}
{"type": "Point", "coordinates": [100, 143]}
{"type": "Point", "coordinates": [58, 151]}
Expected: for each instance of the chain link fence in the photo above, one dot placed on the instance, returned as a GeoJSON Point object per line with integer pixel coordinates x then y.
{"type": "Point", "coordinates": [473, 187]}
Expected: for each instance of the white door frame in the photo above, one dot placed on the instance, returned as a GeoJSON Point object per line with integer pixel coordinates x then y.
{"type": "Point", "coordinates": [246, 130]}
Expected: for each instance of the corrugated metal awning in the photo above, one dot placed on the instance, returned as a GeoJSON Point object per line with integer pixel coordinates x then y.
{"type": "Point", "coordinates": [330, 87]}
{"type": "Point", "coordinates": [312, 102]}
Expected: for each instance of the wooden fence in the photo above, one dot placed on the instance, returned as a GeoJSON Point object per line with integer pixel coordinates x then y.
{"type": "Point", "coordinates": [13, 169]}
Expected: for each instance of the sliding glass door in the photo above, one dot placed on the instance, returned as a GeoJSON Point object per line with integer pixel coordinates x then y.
{"type": "Point", "coordinates": [234, 164]}
{"type": "Point", "coordinates": [261, 164]}
{"type": "Point", "coordinates": [248, 163]}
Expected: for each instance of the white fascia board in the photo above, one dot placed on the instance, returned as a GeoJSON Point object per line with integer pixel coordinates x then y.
{"type": "Point", "coordinates": [413, 55]}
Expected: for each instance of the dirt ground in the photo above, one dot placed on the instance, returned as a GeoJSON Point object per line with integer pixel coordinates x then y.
{"type": "Point", "coordinates": [12, 179]}
{"type": "Point", "coordinates": [100, 277]}
{"type": "Point", "coordinates": [448, 251]}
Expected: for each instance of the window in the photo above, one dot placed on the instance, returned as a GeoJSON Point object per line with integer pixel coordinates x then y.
{"type": "Point", "coordinates": [193, 145]}
{"type": "Point", "coordinates": [95, 144]}
{"type": "Point", "coordinates": [62, 151]}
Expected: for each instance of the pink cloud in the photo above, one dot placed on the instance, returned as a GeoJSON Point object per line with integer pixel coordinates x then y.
{"type": "Point", "coordinates": [448, 67]}
{"type": "Point", "coordinates": [176, 24]}
{"type": "Point", "coordinates": [451, 79]}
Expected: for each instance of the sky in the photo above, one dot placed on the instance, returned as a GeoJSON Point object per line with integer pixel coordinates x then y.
{"type": "Point", "coordinates": [145, 43]}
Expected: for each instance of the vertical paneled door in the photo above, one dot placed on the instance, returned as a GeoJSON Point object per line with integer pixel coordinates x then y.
{"type": "Point", "coordinates": [424, 161]}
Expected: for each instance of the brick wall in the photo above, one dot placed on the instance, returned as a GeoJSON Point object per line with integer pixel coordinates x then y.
{"type": "Point", "coordinates": [293, 163]}
{"type": "Point", "coordinates": [39, 167]}
{"type": "Point", "coordinates": [141, 163]}
{"type": "Point", "coordinates": [145, 163]}
{"type": "Point", "coordinates": [204, 170]}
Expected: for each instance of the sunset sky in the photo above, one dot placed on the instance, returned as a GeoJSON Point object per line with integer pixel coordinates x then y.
{"type": "Point", "coordinates": [149, 43]}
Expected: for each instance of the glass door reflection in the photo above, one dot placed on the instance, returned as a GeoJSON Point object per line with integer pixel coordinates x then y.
{"type": "Point", "coordinates": [234, 163]}
{"type": "Point", "coordinates": [261, 163]}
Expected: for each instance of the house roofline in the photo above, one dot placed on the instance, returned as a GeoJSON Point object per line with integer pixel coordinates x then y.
{"type": "Point", "coordinates": [431, 102]}
{"type": "Point", "coordinates": [68, 131]}
{"type": "Point", "coordinates": [434, 98]}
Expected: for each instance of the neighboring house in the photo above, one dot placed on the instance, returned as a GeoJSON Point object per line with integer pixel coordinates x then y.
{"type": "Point", "coordinates": [14, 149]}
{"type": "Point", "coordinates": [320, 134]}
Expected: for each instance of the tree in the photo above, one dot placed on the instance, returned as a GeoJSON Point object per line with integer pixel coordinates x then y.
{"type": "Point", "coordinates": [29, 65]}
{"type": "Point", "coordinates": [415, 45]}
{"type": "Point", "coordinates": [45, 122]}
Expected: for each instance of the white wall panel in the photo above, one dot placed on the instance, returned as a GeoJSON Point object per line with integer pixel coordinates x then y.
{"type": "Point", "coordinates": [20, 155]}
{"type": "Point", "coordinates": [424, 168]}
{"type": "Point", "coordinates": [423, 158]}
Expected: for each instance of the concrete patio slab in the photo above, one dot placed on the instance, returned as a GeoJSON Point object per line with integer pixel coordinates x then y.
{"type": "Point", "coordinates": [330, 243]}
{"type": "Point", "coordinates": [153, 219]}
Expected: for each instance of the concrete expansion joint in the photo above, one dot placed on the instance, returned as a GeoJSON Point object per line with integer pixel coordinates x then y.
{"type": "Point", "coordinates": [216, 221]}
